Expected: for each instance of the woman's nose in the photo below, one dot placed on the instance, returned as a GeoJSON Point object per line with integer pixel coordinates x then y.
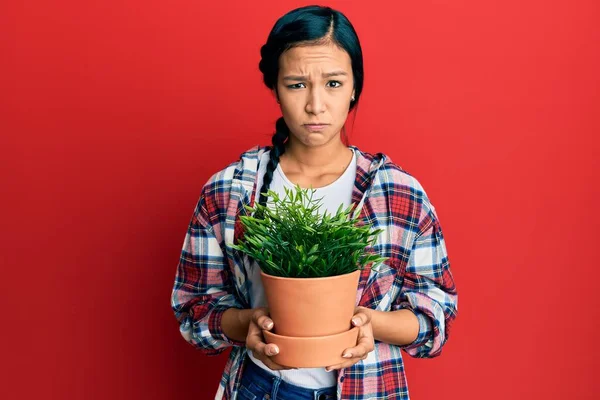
{"type": "Point", "coordinates": [315, 103]}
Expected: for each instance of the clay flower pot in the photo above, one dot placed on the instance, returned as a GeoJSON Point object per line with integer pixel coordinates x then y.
{"type": "Point", "coordinates": [312, 318]}
{"type": "Point", "coordinates": [310, 266]}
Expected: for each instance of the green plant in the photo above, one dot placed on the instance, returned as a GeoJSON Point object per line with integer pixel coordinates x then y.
{"type": "Point", "coordinates": [292, 239]}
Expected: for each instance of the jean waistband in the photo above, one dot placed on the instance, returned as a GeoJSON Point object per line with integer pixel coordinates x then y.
{"type": "Point", "coordinates": [284, 387]}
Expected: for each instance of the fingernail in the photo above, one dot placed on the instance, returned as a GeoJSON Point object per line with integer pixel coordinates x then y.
{"type": "Point", "coordinates": [356, 321]}
{"type": "Point", "coordinates": [268, 325]}
{"type": "Point", "coordinates": [347, 355]}
{"type": "Point", "coordinates": [275, 351]}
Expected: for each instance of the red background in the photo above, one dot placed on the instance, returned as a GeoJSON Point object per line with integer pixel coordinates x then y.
{"type": "Point", "coordinates": [114, 114]}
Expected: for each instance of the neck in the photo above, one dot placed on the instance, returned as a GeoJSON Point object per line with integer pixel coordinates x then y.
{"type": "Point", "coordinates": [308, 158]}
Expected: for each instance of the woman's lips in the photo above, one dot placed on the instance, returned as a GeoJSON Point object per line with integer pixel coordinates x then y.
{"type": "Point", "coordinates": [315, 127]}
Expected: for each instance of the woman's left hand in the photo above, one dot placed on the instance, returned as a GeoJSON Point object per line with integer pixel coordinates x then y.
{"type": "Point", "coordinates": [365, 342]}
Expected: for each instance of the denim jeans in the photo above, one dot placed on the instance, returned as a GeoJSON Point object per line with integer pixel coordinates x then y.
{"type": "Point", "coordinates": [260, 384]}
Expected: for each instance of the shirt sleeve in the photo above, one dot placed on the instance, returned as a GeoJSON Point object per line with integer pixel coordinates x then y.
{"type": "Point", "coordinates": [428, 288]}
{"type": "Point", "coordinates": [203, 287]}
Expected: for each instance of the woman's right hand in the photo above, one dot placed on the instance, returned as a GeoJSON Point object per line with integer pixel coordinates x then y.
{"type": "Point", "coordinates": [255, 341]}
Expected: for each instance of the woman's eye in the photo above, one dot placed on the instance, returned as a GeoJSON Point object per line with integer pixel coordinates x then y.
{"type": "Point", "coordinates": [295, 86]}
{"type": "Point", "coordinates": [334, 84]}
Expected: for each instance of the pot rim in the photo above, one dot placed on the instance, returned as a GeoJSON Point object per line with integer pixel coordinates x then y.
{"type": "Point", "coordinates": [309, 279]}
{"type": "Point", "coordinates": [310, 338]}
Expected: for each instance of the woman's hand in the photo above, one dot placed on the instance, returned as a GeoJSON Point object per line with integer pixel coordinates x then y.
{"type": "Point", "coordinates": [365, 342]}
{"type": "Point", "coordinates": [255, 341]}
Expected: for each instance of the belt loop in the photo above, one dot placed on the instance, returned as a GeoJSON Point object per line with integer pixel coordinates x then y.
{"type": "Point", "coordinates": [276, 383]}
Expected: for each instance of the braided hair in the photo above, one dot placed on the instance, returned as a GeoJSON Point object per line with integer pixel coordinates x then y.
{"type": "Point", "coordinates": [279, 137]}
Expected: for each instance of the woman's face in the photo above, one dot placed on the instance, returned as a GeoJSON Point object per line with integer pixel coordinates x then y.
{"type": "Point", "coordinates": [315, 86]}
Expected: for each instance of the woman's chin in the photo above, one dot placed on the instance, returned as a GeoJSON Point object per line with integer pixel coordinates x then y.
{"type": "Point", "coordinates": [315, 139]}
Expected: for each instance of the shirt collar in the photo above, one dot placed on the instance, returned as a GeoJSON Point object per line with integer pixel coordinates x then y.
{"type": "Point", "coordinates": [367, 165]}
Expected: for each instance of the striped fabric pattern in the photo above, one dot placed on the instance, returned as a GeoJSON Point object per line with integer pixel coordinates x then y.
{"type": "Point", "coordinates": [212, 277]}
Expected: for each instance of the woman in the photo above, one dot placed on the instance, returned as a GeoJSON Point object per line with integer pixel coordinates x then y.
{"type": "Point", "coordinates": [312, 62]}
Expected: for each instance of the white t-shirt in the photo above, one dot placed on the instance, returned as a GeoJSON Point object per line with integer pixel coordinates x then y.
{"type": "Point", "coordinates": [334, 194]}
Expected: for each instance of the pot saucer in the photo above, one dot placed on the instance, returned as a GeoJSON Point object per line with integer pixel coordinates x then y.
{"type": "Point", "coordinates": [311, 352]}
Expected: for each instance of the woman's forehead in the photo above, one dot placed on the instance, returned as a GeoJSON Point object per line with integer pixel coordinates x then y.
{"type": "Point", "coordinates": [309, 57]}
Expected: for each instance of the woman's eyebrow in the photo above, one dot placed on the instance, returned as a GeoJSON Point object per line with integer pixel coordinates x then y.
{"type": "Point", "coordinates": [304, 77]}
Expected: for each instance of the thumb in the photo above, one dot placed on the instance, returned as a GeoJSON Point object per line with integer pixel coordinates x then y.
{"type": "Point", "coordinates": [361, 318]}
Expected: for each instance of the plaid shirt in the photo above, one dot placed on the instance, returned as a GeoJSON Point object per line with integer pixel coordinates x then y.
{"type": "Point", "coordinates": [212, 277]}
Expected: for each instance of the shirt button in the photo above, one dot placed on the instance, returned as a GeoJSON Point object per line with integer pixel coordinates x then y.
{"type": "Point", "coordinates": [342, 378]}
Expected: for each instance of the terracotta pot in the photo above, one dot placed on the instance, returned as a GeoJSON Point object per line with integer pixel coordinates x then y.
{"type": "Point", "coordinates": [306, 307]}
{"type": "Point", "coordinates": [312, 318]}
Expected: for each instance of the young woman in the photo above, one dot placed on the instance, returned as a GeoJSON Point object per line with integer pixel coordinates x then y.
{"type": "Point", "coordinates": [312, 62]}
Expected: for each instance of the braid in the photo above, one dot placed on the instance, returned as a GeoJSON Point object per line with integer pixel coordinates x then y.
{"type": "Point", "coordinates": [282, 132]}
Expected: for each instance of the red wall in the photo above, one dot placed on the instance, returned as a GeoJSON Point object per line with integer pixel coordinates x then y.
{"type": "Point", "coordinates": [114, 113]}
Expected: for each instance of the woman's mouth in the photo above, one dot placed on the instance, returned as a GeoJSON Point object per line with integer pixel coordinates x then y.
{"type": "Point", "coordinates": [315, 127]}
